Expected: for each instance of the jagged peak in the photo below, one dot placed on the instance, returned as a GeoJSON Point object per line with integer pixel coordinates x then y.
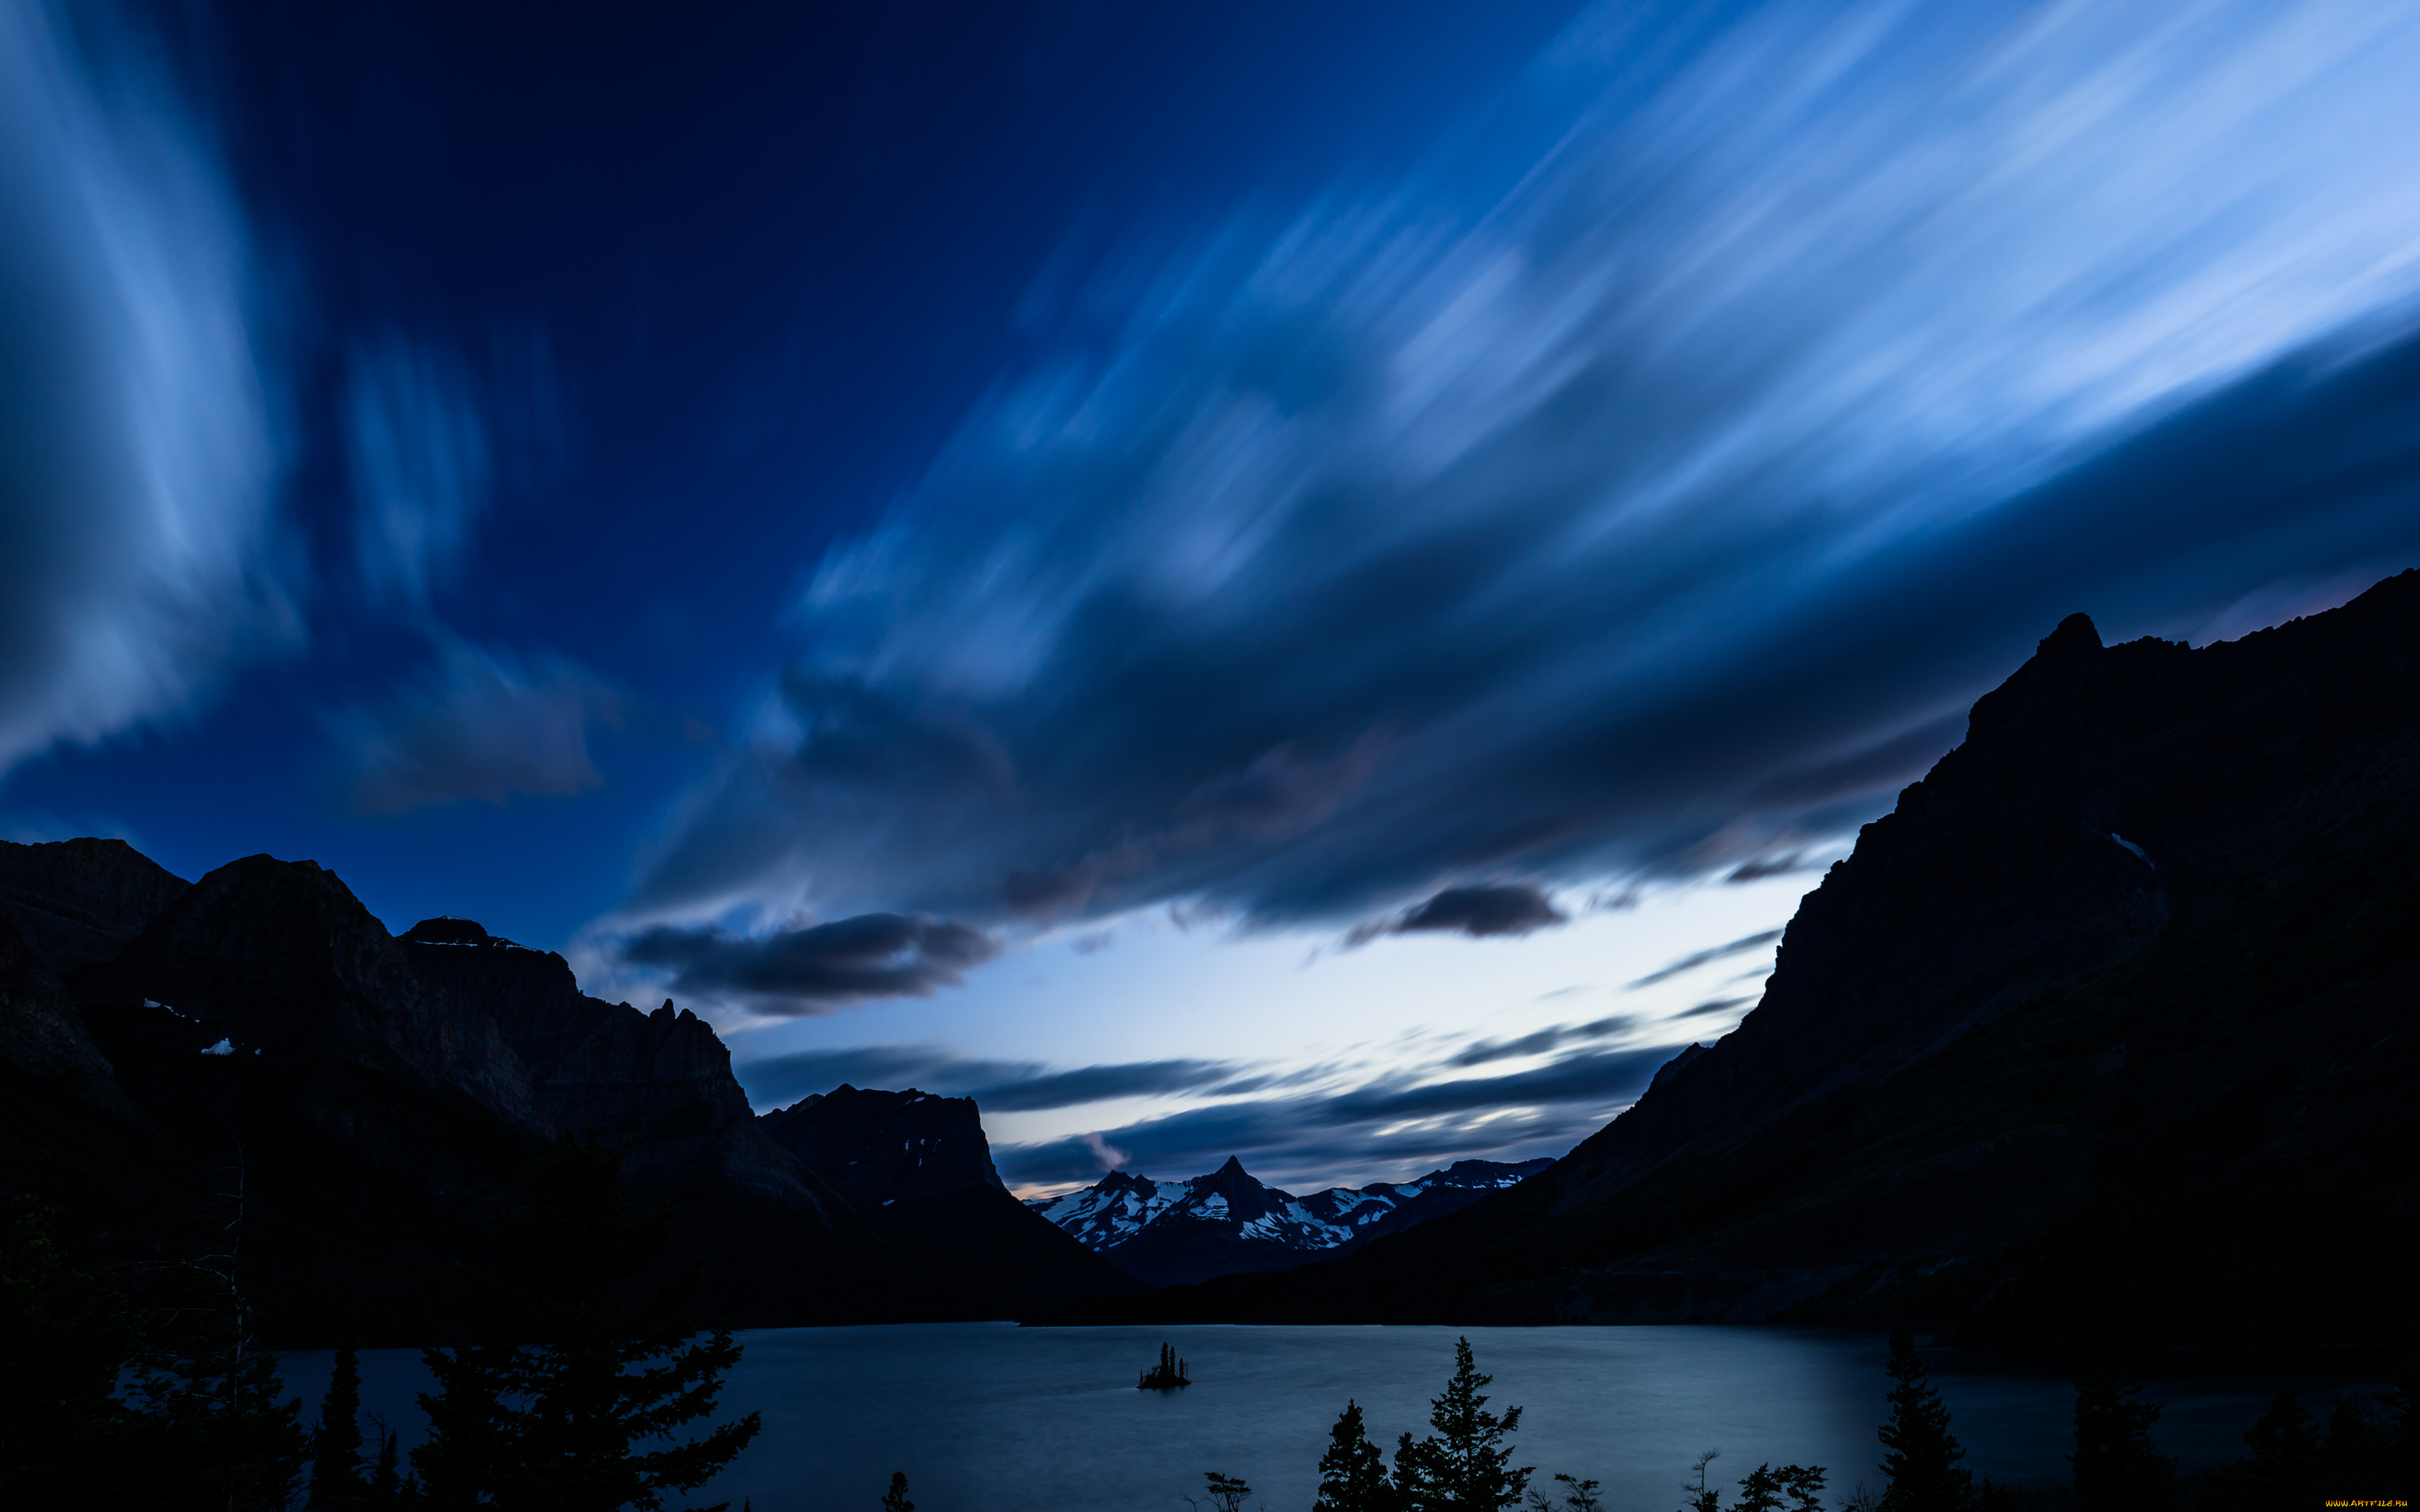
{"type": "Point", "coordinates": [2075, 635]}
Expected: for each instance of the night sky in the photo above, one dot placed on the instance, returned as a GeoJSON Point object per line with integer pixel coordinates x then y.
{"type": "Point", "coordinates": [1304, 581]}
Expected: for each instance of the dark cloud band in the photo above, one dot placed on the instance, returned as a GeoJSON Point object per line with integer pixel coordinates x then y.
{"type": "Point", "coordinates": [818, 969]}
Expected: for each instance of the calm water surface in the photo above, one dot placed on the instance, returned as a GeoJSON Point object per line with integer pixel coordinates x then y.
{"type": "Point", "coordinates": [990, 1417]}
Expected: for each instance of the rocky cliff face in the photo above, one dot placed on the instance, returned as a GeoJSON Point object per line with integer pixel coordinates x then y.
{"type": "Point", "coordinates": [2105, 1025]}
{"type": "Point", "coordinates": [920, 1167]}
{"type": "Point", "coordinates": [659, 1082]}
{"type": "Point", "coordinates": [879, 1146]}
{"type": "Point", "coordinates": [78, 902]}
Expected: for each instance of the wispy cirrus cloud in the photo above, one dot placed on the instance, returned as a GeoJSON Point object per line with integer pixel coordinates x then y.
{"type": "Point", "coordinates": [139, 556]}
{"type": "Point", "coordinates": [1657, 515]}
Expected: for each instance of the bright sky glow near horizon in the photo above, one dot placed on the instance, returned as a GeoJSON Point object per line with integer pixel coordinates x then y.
{"type": "Point", "coordinates": [1226, 579]}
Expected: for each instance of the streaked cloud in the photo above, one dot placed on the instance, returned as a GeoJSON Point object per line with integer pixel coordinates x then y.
{"type": "Point", "coordinates": [1388, 1125]}
{"type": "Point", "coordinates": [422, 462]}
{"type": "Point", "coordinates": [1540, 1042]}
{"type": "Point", "coordinates": [1657, 516]}
{"type": "Point", "coordinates": [138, 456]}
{"type": "Point", "coordinates": [1707, 957]}
{"type": "Point", "coordinates": [997, 1085]}
{"type": "Point", "coordinates": [480, 725]}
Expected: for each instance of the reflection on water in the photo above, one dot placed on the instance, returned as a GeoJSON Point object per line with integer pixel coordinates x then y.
{"type": "Point", "coordinates": [988, 1417]}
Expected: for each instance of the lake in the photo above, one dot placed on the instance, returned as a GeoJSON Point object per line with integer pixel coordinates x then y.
{"type": "Point", "coordinates": [990, 1417]}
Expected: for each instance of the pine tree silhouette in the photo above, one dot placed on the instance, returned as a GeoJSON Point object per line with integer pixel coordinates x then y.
{"type": "Point", "coordinates": [1352, 1472]}
{"type": "Point", "coordinates": [551, 1411]}
{"type": "Point", "coordinates": [1703, 1494]}
{"type": "Point", "coordinates": [1763, 1487]}
{"type": "Point", "coordinates": [2115, 1468]}
{"type": "Point", "coordinates": [895, 1499]}
{"type": "Point", "coordinates": [64, 1340]}
{"type": "Point", "coordinates": [1168, 1374]}
{"type": "Point", "coordinates": [1460, 1467]}
{"type": "Point", "coordinates": [2283, 1467]}
{"type": "Point", "coordinates": [1922, 1463]}
{"type": "Point", "coordinates": [386, 1484]}
{"type": "Point", "coordinates": [336, 1440]}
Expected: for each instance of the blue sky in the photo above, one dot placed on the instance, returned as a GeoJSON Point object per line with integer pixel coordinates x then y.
{"type": "Point", "coordinates": [1227, 579]}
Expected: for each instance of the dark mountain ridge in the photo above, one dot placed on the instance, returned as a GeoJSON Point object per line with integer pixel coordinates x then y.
{"type": "Point", "coordinates": [376, 1098]}
{"type": "Point", "coordinates": [2106, 1024]}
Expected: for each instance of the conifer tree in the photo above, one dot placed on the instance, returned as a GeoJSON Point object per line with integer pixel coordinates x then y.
{"type": "Point", "coordinates": [1460, 1467]}
{"type": "Point", "coordinates": [1764, 1486]}
{"type": "Point", "coordinates": [1922, 1463]}
{"type": "Point", "coordinates": [550, 1413]}
{"type": "Point", "coordinates": [64, 1340]}
{"type": "Point", "coordinates": [1352, 1472]}
{"type": "Point", "coordinates": [895, 1499]}
{"type": "Point", "coordinates": [96, 1411]}
{"type": "Point", "coordinates": [2115, 1468]}
{"type": "Point", "coordinates": [386, 1487]}
{"type": "Point", "coordinates": [1703, 1495]}
{"type": "Point", "coordinates": [2283, 1466]}
{"type": "Point", "coordinates": [236, 1444]}
{"type": "Point", "coordinates": [1579, 1496]}
{"type": "Point", "coordinates": [1227, 1492]}
{"type": "Point", "coordinates": [336, 1440]}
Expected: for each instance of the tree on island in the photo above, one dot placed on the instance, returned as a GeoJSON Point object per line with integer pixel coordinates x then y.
{"type": "Point", "coordinates": [2115, 1468]}
{"type": "Point", "coordinates": [1461, 1466]}
{"type": "Point", "coordinates": [1922, 1463]}
{"type": "Point", "coordinates": [895, 1499]}
{"type": "Point", "coordinates": [547, 1412]}
{"type": "Point", "coordinates": [1168, 1374]}
{"type": "Point", "coordinates": [1352, 1472]}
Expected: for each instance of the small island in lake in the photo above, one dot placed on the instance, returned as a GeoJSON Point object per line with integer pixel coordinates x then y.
{"type": "Point", "coordinates": [1166, 1375]}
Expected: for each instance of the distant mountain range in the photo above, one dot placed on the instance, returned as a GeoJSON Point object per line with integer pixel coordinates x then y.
{"type": "Point", "coordinates": [1171, 1233]}
{"type": "Point", "coordinates": [2108, 1028]}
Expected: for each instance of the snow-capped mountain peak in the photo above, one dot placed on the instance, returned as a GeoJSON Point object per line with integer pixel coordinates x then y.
{"type": "Point", "coordinates": [1175, 1232]}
